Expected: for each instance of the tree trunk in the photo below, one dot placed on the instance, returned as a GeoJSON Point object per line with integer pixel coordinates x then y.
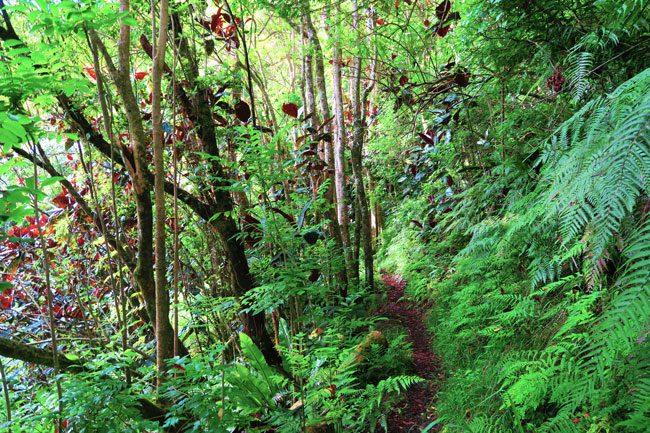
{"type": "Point", "coordinates": [358, 137]}
{"type": "Point", "coordinates": [164, 342]}
{"type": "Point", "coordinates": [217, 204]}
{"type": "Point", "coordinates": [340, 139]}
{"type": "Point", "coordinates": [328, 152]}
{"type": "Point", "coordinates": [140, 176]}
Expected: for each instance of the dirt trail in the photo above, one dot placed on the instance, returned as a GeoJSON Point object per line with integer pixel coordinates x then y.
{"type": "Point", "coordinates": [415, 412]}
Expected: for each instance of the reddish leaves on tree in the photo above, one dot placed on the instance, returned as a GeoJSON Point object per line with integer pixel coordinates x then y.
{"type": "Point", "coordinates": [290, 109]}
{"type": "Point", "coordinates": [313, 277]}
{"type": "Point", "coordinates": [284, 214]}
{"type": "Point", "coordinates": [31, 231]}
{"type": "Point", "coordinates": [442, 31]}
{"type": "Point", "coordinates": [242, 111]}
{"type": "Point", "coordinates": [6, 299]}
{"type": "Point", "coordinates": [251, 228]}
{"type": "Point", "coordinates": [91, 72]}
{"type": "Point", "coordinates": [380, 22]}
{"type": "Point", "coordinates": [221, 24]}
{"type": "Point", "coordinates": [63, 200]}
{"type": "Point", "coordinates": [220, 120]}
{"type": "Point", "coordinates": [417, 223]}
{"type": "Point", "coordinates": [428, 138]}
{"type": "Point", "coordinates": [141, 75]}
{"type": "Point", "coordinates": [442, 10]}
{"type": "Point", "coordinates": [217, 21]}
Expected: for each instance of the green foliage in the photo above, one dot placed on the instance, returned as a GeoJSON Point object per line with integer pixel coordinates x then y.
{"type": "Point", "coordinates": [537, 270]}
{"type": "Point", "coordinates": [508, 147]}
{"type": "Point", "coordinates": [542, 318]}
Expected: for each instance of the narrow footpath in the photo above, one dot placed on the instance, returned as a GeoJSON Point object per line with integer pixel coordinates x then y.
{"type": "Point", "coordinates": [415, 412]}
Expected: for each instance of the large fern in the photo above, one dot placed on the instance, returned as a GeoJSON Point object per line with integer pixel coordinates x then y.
{"type": "Point", "coordinates": [567, 352]}
{"type": "Point", "coordinates": [598, 166]}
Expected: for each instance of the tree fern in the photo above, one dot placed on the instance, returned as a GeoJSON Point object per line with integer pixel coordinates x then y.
{"type": "Point", "coordinates": [597, 179]}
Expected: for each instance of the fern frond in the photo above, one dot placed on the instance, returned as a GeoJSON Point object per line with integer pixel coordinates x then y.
{"type": "Point", "coordinates": [581, 63]}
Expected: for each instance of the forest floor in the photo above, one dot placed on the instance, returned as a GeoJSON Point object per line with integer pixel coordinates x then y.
{"type": "Point", "coordinates": [416, 410]}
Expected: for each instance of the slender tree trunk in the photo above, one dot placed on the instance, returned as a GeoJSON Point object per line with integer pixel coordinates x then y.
{"type": "Point", "coordinates": [139, 173]}
{"type": "Point", "coordinates": [358, 137]}
{"type": "Point", "coordinates": [328, 152]}
{"type": "Point", "coordinates": [340, 139]}
{"type": "Point", "coordinates": [5, 390]}
{"type": "Point", "coordinates": [308, 76]}
{"type": "Point", "coordinates": [164, 342]}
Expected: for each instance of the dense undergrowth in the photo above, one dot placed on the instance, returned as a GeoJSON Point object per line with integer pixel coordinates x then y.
{"type": "Point", "coordinates": [495, 154]}
{"type": "Point", "coordinates": [541, 308]}
{"type": "Point", "coordinates": [539, 268]}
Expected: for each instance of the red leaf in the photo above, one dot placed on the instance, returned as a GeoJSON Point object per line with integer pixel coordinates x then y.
{"type": "Point", "coordinates": [450, 181]}
{"type": "Point", "coordinates": [216, 23]}
{"type": "Point", "coordinates": [442, 31]}
{"type": "Point", "coordinates": [6, 301]}
{"type": "Point", "coordinates": [427, 23]}
{"type": "Point", "coordinates": [380, 22]}
{"type": "Point", "coordinates": [140, 75]}
{"type": "Point", "coordinates": [91, 72]}
{"type": "Point", "coordinates": [221, 121]}
{"type": "Point", "coordinates": [313, 276]}
{"type": "Point", "coordinates": [63, 200]}
{"type": "Point", "coordinates": [403, 80]}
{"type": "Point", "coordinates": [442, 10]}
{"type": "Point", "coordinates": [205, 24]}
{"type": "Point", "coordinates": [290, 109]}
{"type": "Point", "coordinates": [283, 213]}
{"type": "Point", "coordinates": [426, 138]}
{"type": "Point", "coordinates": [69, 157]}
{"type": "Point", "coordinates": [242, 111]}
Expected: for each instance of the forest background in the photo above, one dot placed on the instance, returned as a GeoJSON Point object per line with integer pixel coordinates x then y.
{"type": "Point", "coordinates": [198, 201]}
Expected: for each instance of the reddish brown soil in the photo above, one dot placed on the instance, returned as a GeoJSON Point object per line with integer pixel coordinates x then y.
{"type": "Point", "coordinates": [416, 410]}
